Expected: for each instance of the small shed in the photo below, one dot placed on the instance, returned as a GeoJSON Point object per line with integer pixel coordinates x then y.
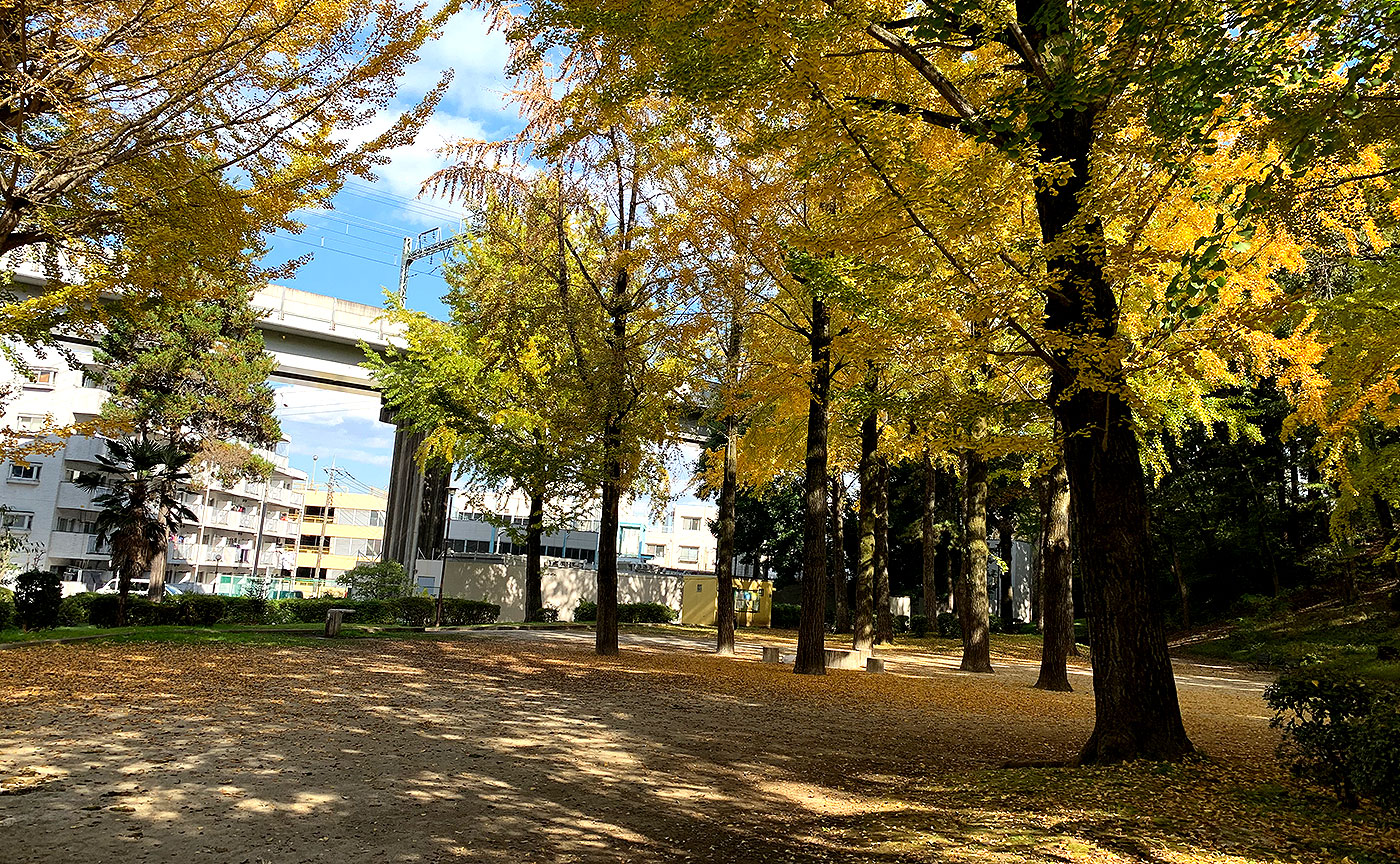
{"type": "Point", "coordinates": [753, 601]}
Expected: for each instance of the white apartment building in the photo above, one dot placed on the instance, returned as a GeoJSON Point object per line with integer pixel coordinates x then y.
{"type": "Point", "coordinates": [678, 538]}
{"type": "Point", "coordinates": [52, 520]}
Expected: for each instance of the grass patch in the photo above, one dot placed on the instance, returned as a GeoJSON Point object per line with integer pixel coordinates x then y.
{"type": "Point", "coordinates": [1349, 637]}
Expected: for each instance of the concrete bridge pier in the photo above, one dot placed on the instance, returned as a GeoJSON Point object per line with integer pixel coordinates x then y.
{"type": "Point", "coordinates": [415, 525]}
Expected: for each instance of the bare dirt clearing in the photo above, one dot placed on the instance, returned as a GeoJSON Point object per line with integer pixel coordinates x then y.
{"type": "Point", "coordinates": [517, 747]}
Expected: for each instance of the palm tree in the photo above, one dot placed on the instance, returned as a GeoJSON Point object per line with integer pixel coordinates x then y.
{"type": "Point", "coordinates": [140, 481]}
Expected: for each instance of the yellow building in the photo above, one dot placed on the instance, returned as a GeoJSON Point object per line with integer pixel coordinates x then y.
{"type": "Point", "coordinates": [338, 530]}
{"type": "Point", "coordinates": [753, 602]}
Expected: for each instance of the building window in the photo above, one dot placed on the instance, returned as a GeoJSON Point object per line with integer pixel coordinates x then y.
{"type": "Point", "coordinates": [42, 380]}
{"type": "Point", "coordinates": [25, 473]}
{"type": "Point", "coordinates": [688, 555]}
{"type": "Point", "coordinates": [746, 601]}
{"type": "Point", "coordinates": [92, 380]}
{"type": "Point", "coordinates": [656, 550]}
{"type": "Point", "coordinates": [690, 523]}
{"type": "Point", "coordinates": [30, 422]}
{"type": "Point", "coordinates": [76, 525]}
{"type": "Point", "coordinates": [16, 521]}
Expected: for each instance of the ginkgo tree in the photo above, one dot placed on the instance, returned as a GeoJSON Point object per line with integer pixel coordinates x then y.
{"type": "Point", "coordinates": [1090, 116]}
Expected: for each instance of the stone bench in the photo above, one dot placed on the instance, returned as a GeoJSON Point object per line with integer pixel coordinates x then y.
{"type": "Point", "coordinates": [334, 617]}
{"type": "Point", "coordinates": [836, 658]}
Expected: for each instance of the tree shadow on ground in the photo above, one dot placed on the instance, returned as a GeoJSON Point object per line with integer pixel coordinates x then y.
{"type": "Point", "coordinates": [511, 751]}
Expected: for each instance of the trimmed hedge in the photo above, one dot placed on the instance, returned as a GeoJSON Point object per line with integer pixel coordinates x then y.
{"type": "Point", "coordinates": [645, 613]}
{"type": "Point", "coordinates": [786, 616]}
{"type": "Point", "coordinates": [628, 613]}
{"type": "Point", "coordinates": [204, 610]}
{"type": "Point", "coordinates": [76, 611]}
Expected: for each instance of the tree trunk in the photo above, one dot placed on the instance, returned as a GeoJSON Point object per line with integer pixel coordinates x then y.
{"type": "Point", "coordinates": [1181, 589]}
{"type": "Point", "coordinates": [948, 562]}
{"type": "Point", "coordinates": [839, 589]}
{"type": "Point", "coordinates": [811, 633]}
{"type": "Point", "coordinates": [156, 589]}
{"type": "Point", "coordinates": [724, 565]}
{"type": "Point", "coordinates": [884, 622]}
{"type": "Point", "coordinates": [534, 537]}
{"type": "Point", "coordinates": [1056, 591]}
{"type": "Point", "coordinates": [1042, 542]}
{"type": "Point", "coordinates": [975, 611]}
{"type": "Point", "coordinates": [606, 637]}
{"type": "Point", "coordinates": [1005, 548]}
{"type": "Point", "coordinates": [1137, 715]}
{"type": "Point", "coordinates": [864, 635]}
{"type": "Point", "coordinates": [928, 540]}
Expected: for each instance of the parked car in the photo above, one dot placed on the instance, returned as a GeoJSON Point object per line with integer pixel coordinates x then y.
{"type": "Point", "coordinates": [141, 586]}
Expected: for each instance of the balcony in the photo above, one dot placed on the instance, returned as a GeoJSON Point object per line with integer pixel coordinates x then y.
{"type": "Point", "coordinates": [83, 449]}
{"type": "Point", "coordinates": [70, 497]}
{"type": "Point", "coordinates": [66, 544]}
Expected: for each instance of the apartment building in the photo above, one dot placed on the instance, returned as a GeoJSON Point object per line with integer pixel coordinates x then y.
{"type": "Point", "coordinates": [679, 538]}
{"type": "Point", "coordinates": [51, 521]}
{"type": "Point", "coordinates": [339, 529]}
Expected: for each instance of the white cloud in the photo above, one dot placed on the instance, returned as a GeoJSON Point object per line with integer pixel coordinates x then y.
{"type": "Point", "coordinates": [475, 106]}
{"type": "Point", "coordinates": [303, 405]}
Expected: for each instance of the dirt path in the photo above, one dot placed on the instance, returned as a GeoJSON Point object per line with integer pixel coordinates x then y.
{"type": "Point", "coordinates": [512, 747]}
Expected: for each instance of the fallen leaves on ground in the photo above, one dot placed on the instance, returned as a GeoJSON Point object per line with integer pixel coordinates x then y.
{"type": "Point", "coordinates": [496, 749]}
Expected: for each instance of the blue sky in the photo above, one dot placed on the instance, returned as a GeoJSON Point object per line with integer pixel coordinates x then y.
{"type": "Point", "coordinates": [355, 246]}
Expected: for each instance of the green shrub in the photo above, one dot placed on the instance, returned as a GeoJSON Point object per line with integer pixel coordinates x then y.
{"type": "Point", "coordinates": [1340, 731]}
{"type": "Point", "coordinates": [586, 610]}
{"type": "Point", "coordinates": [645, 613]}
{"type": "Point", "coordinates": [7, 609]}
{"type": "Point", "coordinates": [75, 611]}
{"type": "Point", "coordinates": [376, 580]}
{"type": "Point", "coordinates": [948, 626]}
{"type": "Point", "coordinates": [245, 610]}
{"type": "Point", "coordinates": [415, 611]}
{"type": "Point", "coordinates": [786, 616]}
{"type": "Point", "coordinates": [140, 612]}
{"type": "Point", "coordinates": [901, 623]}
{"type": "Point", "coordinates": [457, 611]}
{"type": "Point", "coordinates": [198, 610]}
{"type": "Point", "coordinates": [545, 615]}
{"type": "Point", "coordinates": [919, 624]}
{"type": "Point", "coordinates": [38, 594]}
{"type": "Point", "coordinates": [1258, 606]}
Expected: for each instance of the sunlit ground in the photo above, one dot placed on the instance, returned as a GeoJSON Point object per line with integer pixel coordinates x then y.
{"type": "Point", "coordinates": [525, 747]}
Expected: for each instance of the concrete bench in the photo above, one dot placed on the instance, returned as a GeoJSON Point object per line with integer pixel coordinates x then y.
{"type": "Point", "coordinates": [334, 617]}
{"type": "Point", "coordinates": [845, 658]}
{"type": "Point", "coordinates": [836, 658]}
{"type": "Point", "coordinates": [874, 664]}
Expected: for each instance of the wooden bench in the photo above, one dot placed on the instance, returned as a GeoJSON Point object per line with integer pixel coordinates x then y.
{"type": "Point", "coordinates": [334, 617]}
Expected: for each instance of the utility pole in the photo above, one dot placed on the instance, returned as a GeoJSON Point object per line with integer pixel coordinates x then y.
{"type": "Point", "coordinates": [321, 537]}
{"type": "Point", "coordinates": [424, 250]}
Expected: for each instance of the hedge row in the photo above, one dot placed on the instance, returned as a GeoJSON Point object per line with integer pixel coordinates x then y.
{"type": "Point", "coordinates": [628, 613]}
{"type": "Point", "coordinates": [203, 610]}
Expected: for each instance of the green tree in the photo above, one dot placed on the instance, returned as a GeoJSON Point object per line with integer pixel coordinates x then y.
{"type": "Point", "coordinates": [138, 487]}
{"type": "Point", "coordinates": [494, 393]}
{"type": "Point", "coordinates": [193, 376]}
{"type": "Point", "coordinates": [376, 580]}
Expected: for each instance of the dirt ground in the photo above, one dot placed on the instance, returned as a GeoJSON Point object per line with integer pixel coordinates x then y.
{"type": "Point", "coordinates": [527, 748]}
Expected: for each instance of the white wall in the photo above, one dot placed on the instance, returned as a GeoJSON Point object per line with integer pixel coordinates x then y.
{"type": "Point", "coordinates": [562, 587]}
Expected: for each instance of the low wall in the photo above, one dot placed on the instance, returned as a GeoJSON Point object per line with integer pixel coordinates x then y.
{"type": "Point", "coordinates": [562, 586]}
